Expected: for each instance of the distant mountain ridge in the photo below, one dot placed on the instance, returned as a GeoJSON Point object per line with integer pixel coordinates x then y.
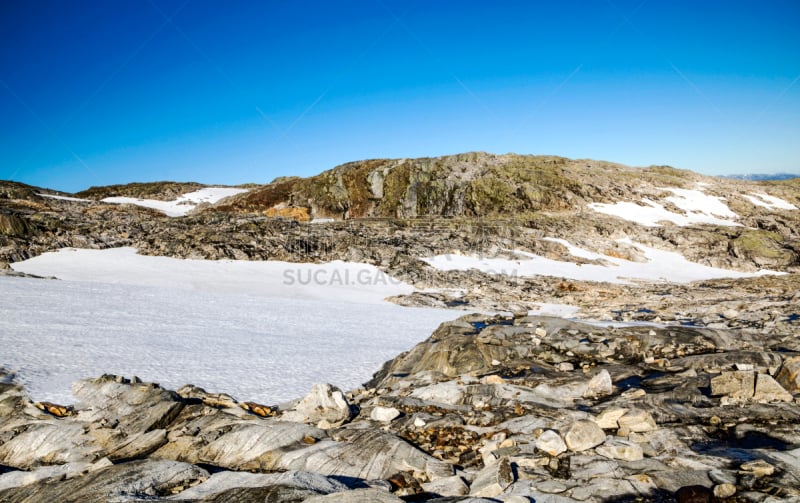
{"type": "Point", "coordinates": [759, 177]}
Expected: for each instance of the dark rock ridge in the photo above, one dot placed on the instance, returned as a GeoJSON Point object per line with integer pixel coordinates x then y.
{"type": "Point", "coordinates": [487, 409]}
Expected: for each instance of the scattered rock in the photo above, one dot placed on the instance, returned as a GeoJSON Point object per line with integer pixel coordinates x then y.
{"type": "Point", "coordinates": [551, 443]}
{"type": "Point", "coordinates": [738, 385]}
{"type": "Point", "coordinates": [384, 414]}
{"type": "Point", "coordinates": [324, 403]}
{"type": "Point", "coordinates": [758, 468]}
{"type": "Point", "coordinates": [448, 486]}
{"type": "Point", "coordinates": [624, 450]}
{"type": "Point", "coordinates": [723, 491]}
{"type": "Point", "coordinates": [768, 390]}
{"type": "Point", "coordinates": [789, 375]}
{"type": "Point", "coordinates": [493, 480]}
{"type": "Point", "coordinates": [599, 385]}
{"type": "Point", "coordinates": [636, 421]}
{"type": "Point", "coordinates": [745, 386]}
{"type": "Point", "coordinates": [608, 419]}
{"type": "Point", "coordinates": [583, 435]}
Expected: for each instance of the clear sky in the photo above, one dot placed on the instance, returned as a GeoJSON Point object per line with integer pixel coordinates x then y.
{"type": "Point", "coordinates": [99, 92]}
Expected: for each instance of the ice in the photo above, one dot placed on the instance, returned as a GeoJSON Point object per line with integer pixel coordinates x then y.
{"type": "Point", "coordinates": [263, 349]}
{"type": "Point", "coordinates": [660, 266]}
{"type": "Point", "coordinates": [262, 331]}
{"type": "Point", "coordinates": [184, 204]}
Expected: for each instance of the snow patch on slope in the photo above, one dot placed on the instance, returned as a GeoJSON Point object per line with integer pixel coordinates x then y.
{"type": "Point", "coordinates": [661, 266]}
{"type": "Point", "coordinates": [700, 208]}
{"type": "Point", "coordinates": [182, 205]}
{"type": "Point", "coordinates": [770, 202]}
{"type": "Point", "coordinates": [64, 198]}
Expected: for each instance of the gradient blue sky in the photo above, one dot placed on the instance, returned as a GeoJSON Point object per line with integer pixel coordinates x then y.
{"type": "Point", "coordinates": [96, 92]}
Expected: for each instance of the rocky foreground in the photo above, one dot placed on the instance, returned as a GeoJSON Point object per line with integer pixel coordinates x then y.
{"type": "Point", "coordinates": [487, 409]}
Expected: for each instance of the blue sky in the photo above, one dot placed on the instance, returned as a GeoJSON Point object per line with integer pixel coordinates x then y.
{"type": "Point", "coordinates": [93, 92]}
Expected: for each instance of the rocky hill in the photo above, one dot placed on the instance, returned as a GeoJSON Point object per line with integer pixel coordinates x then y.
{"type": "Point", "coordinates": [467, 185]}
{"type": "Point", "coordinates": [475, 184]}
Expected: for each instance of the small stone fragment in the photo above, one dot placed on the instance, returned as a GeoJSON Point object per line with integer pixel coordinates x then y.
{"type": "Point", "coordinates": [325, 405]}
{"type": "Point", "coordinates": [608, 418]}
{"type": "Point", "coordinates": [551, 443]}
{"type": "Point", "coordinates": [768, 390]}
{"type": "Point", "coordinates": [583, 435]}
{"type": "Point", "coordinates": [637, 421]}
{"type": "Point", "coordinates": [789, 375]}
{"type": "Point", "coordinates": [599, 385]}
{"type": "Point", "coordinates": [759, 468]}
{"type": "Point", "coordinates": [492, 379]}
{"type": "Point", "coordinates": [722, 491]}
{"type": "Point", "coordinates": [448, 486]}
{"type": "Point", "coordinates": [621, 449]}
{"type": "Point", "coordinates": [738, 385]}
{"type": "Point", "coordinates": [493, 480]}
{"type": "Point", "coordinates": [384, 414]}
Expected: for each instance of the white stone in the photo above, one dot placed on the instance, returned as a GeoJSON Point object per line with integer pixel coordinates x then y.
{"type": "Point", "coordinates": [608, 418]}
{"type": "Point", "coordinates": [551, 443]}
{"type": "Point", "coordinates": [324, 403]}
{"type": "Point", "coordinates": [723, 491]}
{"type": "Point", "coordinates": [637, 421]}
{"type": "Point", "coordinates": [583, 435]}
{"type": "Point", "coordinates": [493, 480]}
{"type": "Point", "coordinates": [384, 414]}
{"type": "Point", "coordinates": [600, 385]}
{"type": "Point", "coordinates": [448, 486]}
{"type": "Point", "coordinates": [620, 449]}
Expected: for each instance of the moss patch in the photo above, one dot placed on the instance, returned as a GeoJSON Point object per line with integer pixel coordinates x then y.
{"type": "Point", "coordinates": [764, 248]}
